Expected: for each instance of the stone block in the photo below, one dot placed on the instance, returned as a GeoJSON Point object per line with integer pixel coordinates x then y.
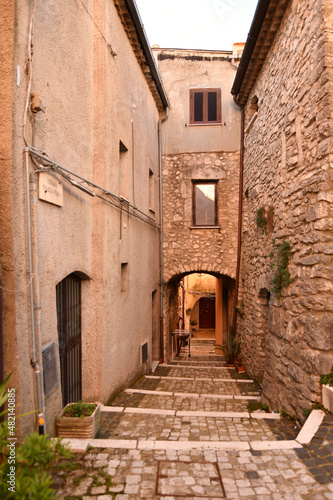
{"type": "Point", "coordinates": [327, 397]}
{"type": "Point", "coordinates": [318, 332]}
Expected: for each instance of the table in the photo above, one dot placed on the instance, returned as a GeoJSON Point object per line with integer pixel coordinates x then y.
{"type": "Point", "coordinates": [181, 337]}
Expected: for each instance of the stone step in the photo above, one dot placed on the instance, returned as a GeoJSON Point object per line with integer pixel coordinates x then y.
{"type": "Point", "coordinates": [135, 399]}
{"type": "Point", "coordinates": [133, 425]}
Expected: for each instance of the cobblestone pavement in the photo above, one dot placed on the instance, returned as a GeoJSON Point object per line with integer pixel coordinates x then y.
{"type": "Point", "coordinates": [196, 439]}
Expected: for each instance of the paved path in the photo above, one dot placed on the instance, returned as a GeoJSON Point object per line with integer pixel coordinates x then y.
{"type": "Point", "coordinates": [186, 432]}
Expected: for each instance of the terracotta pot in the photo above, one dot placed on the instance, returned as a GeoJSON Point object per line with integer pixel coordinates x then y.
{"type": "Point", "coordinates": [77, 427]}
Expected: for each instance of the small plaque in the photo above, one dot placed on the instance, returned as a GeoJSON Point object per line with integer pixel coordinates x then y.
{"type": "Point", "coordinates": [50, 372]}
{"type": "Point", "coordinates": [50, 189]}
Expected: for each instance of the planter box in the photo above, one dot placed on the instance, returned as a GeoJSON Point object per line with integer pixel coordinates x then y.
{"type": "Point", "coordinates": [327, 397]}
{"type": "Point", "coordinates": [76, 427]}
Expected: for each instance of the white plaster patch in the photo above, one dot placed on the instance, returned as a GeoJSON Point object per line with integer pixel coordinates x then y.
{"type": "Point", "coordinates": [275, 445]}
{"type": "Point", "coordinates": [112, 409]}
{"type": "Point", "coordinates": [150, 411]}
{"type": "Point", "coordinates": [213, 414]}
{"type": "Point", "coordinates": [310, 427]}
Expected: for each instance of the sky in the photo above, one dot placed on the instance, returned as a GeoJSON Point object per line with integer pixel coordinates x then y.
{"type": "Point", "coordinates": [197, 24]}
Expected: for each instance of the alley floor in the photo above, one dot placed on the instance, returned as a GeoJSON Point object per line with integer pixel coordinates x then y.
{"type": "Point", "coordinates": [187, 431]}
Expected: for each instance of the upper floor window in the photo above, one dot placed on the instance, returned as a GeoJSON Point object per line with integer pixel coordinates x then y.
{"type": "Point", "coordinates": [204, 203]}
{"type": "Point", "coordinates": [205, 106]}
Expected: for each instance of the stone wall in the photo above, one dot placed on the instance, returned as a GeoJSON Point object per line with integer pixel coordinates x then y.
{"type": "Point", "coordinates": [188, 249]}
{"type": "Point", "coordinates": [288, 170]}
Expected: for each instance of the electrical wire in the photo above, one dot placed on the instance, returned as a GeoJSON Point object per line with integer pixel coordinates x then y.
{"type": "Point", "coordinates": [17, 290]}
{"type": "Point", "coordinates": [115, 200]}
{"type": "Point", "coordinates": [113, 53]}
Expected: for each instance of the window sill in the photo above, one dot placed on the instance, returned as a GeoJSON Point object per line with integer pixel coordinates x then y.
{"type": "Point", "coordinates": [203, 124]}
{"type": "Point", "coordinates": [205, 227]}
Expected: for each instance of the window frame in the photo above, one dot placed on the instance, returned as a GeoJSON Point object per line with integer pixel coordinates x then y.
{"type": "Point", "coordinates": [196, 183]}
{"type": "Point", "coordinates": [205, 120]}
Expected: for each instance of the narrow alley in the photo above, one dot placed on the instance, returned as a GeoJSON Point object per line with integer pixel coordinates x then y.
{"type": "Point", "coordinates": [189, 431]}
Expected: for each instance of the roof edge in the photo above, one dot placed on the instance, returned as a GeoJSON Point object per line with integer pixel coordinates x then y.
{"type": "Point", "coordinates": [133, 10]}
{"type": "Point", "coordinates": [257, 22]}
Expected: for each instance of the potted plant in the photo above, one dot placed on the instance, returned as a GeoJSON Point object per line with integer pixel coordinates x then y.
{"type": "Point", "coordinates": [193, 322]}
{"type": "Point", "coordinates": [231, 351]}
{"type": "Point", "coordinates": [327, 390]}
{"type": "Point", "coordinates": [79, 420]}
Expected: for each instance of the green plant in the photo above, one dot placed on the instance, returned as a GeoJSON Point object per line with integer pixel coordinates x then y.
{"type": "Point", "coordinates": [232, 351]}
{"type": "Point", "coordinates": [261, 220]}
{"type": "Point", "coordinates": [25, 468]}
{"type": "Point", "coordinates": [327, 379]}
{"type": "Point", "coordinates": [79, 410]}
{"type": "Point", "coordinates": [254, 405]}
{"type": "Point", "coordinates": [280, 255]}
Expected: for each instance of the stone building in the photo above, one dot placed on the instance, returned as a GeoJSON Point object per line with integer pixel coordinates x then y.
{"type": "Point", "coordinates": [284, 87]}
{"type": "Point", "coordinates": [200, 177]}
{"type": "Point", "coordinates": [79, 204]}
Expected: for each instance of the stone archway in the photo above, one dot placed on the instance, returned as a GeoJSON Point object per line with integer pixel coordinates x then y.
{"type": "Point", "coordinates": [177, 314]}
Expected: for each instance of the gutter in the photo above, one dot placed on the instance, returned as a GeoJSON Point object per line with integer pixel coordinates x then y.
{"type": "Point", "coordinates": [258, 19]}
{"type": "Point", "coordinates": [240, 221]}
{"type": "Point", "coordinates": [161, 121]}
{"type": "Point", "coordinates": [133, 9]}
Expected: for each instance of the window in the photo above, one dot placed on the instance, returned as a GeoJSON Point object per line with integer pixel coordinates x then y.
{"type": "Point", "coordinates": [204, 203]}
{"type": "Point", "coordinates": [124, 277]}
{"type": "Point", "coordinates": [151, 191]}
{"type": "Point", "coordinates": [123, 171]}
{"type": "Point", "coordinates": [205, 106]}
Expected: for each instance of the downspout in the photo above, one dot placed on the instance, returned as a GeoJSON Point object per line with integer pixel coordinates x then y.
{"type": "Point", "coordinates": [240, 214]}
{"type": "Point", "coordinates": [31, 201]}
{"type": "Point", "coordinates": [162, 120]}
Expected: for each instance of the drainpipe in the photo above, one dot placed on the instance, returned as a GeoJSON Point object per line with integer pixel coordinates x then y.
{"type": "Point", "coordinates": [35, 307]}
{"type": "Point", "coordinates": [240, 213]}
{"type": "Point", "coordinates": [31, 209]}
{"type": "Point", "coordinates": [162, 120]}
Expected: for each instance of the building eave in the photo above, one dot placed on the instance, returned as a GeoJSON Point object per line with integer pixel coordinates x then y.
{"type": "Point", "coordinates": [131, 20]}
{"type": "Point", "coordinates": [266, 22]}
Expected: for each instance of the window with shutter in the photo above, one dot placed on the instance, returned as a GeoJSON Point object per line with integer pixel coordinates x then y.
{"type": "Point", "coordinates": [205, 106]}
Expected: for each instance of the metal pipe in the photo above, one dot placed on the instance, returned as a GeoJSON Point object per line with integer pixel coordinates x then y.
{"type": "Point", "coordinates": [162, 120]}
{"type": "Point", "coordinates": [240, 213]}
{"type": "Point", "coordinates": [31, 193]}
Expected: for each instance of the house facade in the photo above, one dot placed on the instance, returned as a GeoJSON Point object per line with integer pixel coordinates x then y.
{"type": "Point", "coordinates": [284, 87]}
{"type": "Point", "coordinates": [200, 179]}
{"type": "Point", "coordinates": [80, 211]}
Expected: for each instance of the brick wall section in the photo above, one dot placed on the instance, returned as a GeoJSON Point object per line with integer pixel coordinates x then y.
{"type": "Point", "coordinates": [288, 166]}
{"type": "Point", "coordinates": [205, 250]}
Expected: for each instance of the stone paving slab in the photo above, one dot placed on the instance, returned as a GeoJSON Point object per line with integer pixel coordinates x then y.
{"type": "Point", "coordinates": [207, 379]}
{"type": "Point", "coordinates": [185, 428]}
{"type": "Point", "coordinates": [165, 446]}
{"type": "Point", "coordinates": [138, 400]}
{"type": "Point", "coordinates": [242, 474]}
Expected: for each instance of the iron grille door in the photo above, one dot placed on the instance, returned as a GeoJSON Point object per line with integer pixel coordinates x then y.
{"type": "Point", "coordinates": [69, 333]}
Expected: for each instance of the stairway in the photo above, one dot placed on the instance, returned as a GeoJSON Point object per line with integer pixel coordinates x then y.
{"type": "Point", "coordinates": [186, 431]}
{"type": "Point", "coordinates": [193, 403]}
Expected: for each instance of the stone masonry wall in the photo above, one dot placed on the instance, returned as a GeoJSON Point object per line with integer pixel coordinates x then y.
{"type": "Point", "coordinates": [289, 170]}
{"type": "Point", "coordinates": [188, 249]}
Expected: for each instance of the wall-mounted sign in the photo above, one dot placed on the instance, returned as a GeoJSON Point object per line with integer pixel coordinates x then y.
{"type": "Point", "coordinates": [50, 189]}
{"type": "Point", "coordinates": [50, 371]}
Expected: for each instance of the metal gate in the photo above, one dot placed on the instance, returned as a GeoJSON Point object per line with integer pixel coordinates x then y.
{"type": "Point", "coordinates": [69, 333]}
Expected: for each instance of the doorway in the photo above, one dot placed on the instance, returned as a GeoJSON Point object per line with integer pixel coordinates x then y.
{"type": "Point", "coordinates": [69, 334]}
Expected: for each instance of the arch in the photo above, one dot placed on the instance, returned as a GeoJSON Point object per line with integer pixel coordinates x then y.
{"type": "Point", "coordinates": [80, 274]}
{"type": "Point", "coordinates": [223, 291]}
{"type": "Point", "coordinates": [180, 274]}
